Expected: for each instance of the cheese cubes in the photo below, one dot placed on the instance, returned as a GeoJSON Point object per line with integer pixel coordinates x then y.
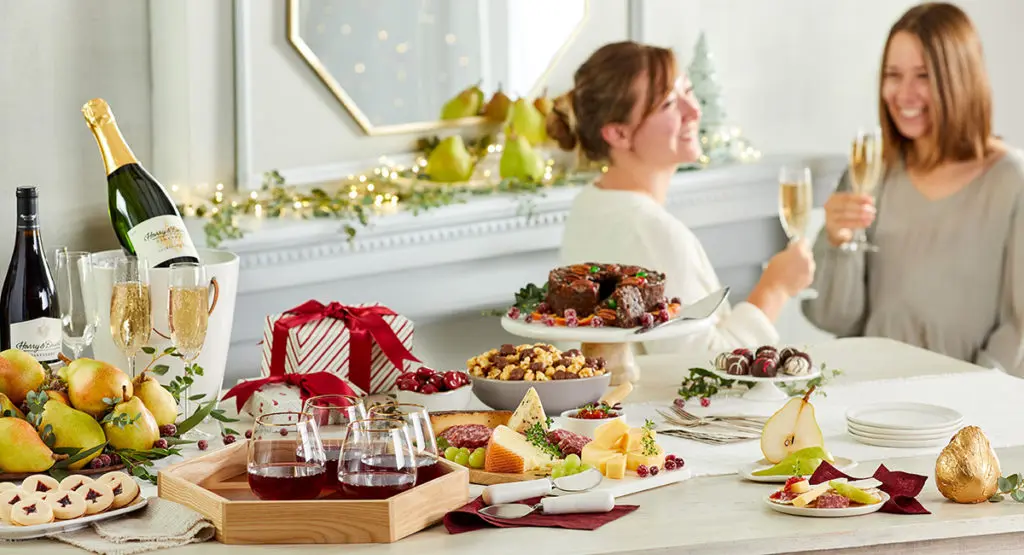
{"type": "Point", "coordinates": [617, 447]}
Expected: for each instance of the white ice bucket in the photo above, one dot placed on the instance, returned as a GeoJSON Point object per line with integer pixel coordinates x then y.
{"type": "Point", "coordinates": [222, 269]}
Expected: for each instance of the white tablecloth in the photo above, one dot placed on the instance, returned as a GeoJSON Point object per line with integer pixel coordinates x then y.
{"type": "Point", "coordinates": [991, 400]}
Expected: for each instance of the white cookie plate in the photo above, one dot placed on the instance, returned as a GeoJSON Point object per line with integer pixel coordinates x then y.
{"type": "Point", "coordinates": [12, 532]}
{"type": "Point", "coordinates": [827, 513]}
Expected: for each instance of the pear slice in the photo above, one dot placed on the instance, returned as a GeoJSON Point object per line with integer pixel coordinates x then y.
{"type": "Point", "coordinates": [853, 493]}
{"type": "Point", "coordinates": [790, 429]}
{"type": "Point", "coordinates": [801, 463]}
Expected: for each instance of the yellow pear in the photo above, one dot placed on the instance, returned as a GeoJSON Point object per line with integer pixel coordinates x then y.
{"type": "Point", "coordinates": [527, 121]}
{"type": "Point", "coordinates": [91, 381]}
{"type": "Point", "coordinates": [131, 425]}
{"type": "Point", "coordinates": [543, 103]}
{"type": "Point", "coordinates": [7, 405]}
{"type": "Point", "coordinates": [497, 107]}
{"type": "Point", "coordinates": [58, 396]}
{"type": "Point", "coordinates": [465, 104]}
{"type": "Point", "coordinates": [449, 162]}
{"type": "Point", "coordinates": [519, 160]}
{"type": "Point", "coordinates": [21, 448]}
{"type": "Point", "coordinates": [790, 429]}
{"type": "Point", "coordinates": [72, 428]}
{"type": "Point", "coordinates": [157, 399]}
{"type": "Point", "coordinates": [967, 470]}
{"type": "Point", "coordinates": [19, 374]}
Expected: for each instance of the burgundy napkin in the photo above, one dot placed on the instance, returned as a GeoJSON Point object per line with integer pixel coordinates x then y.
{"type": "Point", "coordinates": [468, 518]}
{"type": "Point", "coordinates": [902, 487]}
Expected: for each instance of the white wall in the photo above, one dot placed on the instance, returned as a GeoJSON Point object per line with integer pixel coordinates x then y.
{"type": "Point", "coordinates": [55, 56]}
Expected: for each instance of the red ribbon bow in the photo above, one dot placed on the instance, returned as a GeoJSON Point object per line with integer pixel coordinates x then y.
{"type": "Point", "coordinates": [365, 326]}
{"type": "Point", "coordinates": [310, 385]}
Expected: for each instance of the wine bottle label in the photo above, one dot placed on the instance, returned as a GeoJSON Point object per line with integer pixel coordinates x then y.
{"type": "Point", "coordinates": [160, 239]}
{"type": "Point", "coordinates": [40, 338]}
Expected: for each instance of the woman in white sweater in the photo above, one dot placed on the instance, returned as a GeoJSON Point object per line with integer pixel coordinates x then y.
{"type": "Point", "coordinates": [631, 108]}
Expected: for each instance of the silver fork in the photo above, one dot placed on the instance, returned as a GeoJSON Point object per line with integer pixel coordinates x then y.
{"type": "Point", "coordinates": [745, 422]}
{"type": "Point", "coordinates": [710, 428]}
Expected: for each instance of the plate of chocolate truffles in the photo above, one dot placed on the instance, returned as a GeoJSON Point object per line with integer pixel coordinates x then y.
{"type": "Point", "coordinates": [765, 366]}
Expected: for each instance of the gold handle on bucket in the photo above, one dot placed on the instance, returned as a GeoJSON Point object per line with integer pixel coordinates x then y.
{"type": "Point", "coordinates": [215, 286]}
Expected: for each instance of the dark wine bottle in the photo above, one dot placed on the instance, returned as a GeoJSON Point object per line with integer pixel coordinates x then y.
{"type": "Point", "coordinates": [29, 315]}
{"type": "Point", "coordinates": [145, 219]}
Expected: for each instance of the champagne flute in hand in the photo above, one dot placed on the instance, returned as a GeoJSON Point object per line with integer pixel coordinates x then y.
{"type": "Point", "coordinates": [79, 315]}
{"type": "Point", "coordinates": [188, 315]}
{"type": "Point", "coordinates": [795, 205]}
{"type": "Point", "coordinates": [130, 308]}
{"type": "Point", "coordinates": [866, 169]}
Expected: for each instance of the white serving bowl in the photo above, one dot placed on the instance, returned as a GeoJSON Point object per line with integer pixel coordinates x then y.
{"type": "Point", "coordinates": [456, 399]}
{"type": "Point", "coordinates": [584, 427]}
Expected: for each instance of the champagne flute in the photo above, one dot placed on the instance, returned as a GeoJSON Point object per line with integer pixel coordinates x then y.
{"type": "Point", "coordinates": [795, 205]}
{"type": "Point", "coordinates": [866, 169]}
{"type": "Point", "coordinates": [78, 312]}
{"type": "Point", "coordinates": [130, 307]}
{"type": "Point", "coordinates": [188, 315]}
{"type": "Point", "coordinates": [286, 457]}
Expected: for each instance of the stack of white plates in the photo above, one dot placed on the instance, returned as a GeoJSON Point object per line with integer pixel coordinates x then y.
{"type": "Point", "coordinates": [908, 425]}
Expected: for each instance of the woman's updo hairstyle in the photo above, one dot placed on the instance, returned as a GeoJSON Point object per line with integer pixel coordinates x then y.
{"type": "Point", "coordinates": [605, 92]}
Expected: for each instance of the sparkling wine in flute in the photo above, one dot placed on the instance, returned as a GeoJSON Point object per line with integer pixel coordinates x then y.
{"type": "Point", "coordinates": [144, 217]}
{"type": "Point", "coordinates": [866, 169]}
{"type": "Point", "coordinates": [29, 314]}
{"type": "Point", "coordinates": [795, 208]}
{"type": "Point", "coordinates": [188, 313]}
{"type": "Point", "coordinates": [130, 318]}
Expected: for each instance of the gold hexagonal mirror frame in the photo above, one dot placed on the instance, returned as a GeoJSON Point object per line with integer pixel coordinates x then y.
{"type": "Point", "coordinates": [368, 127]}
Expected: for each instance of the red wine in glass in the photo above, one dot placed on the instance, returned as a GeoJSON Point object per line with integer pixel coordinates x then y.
{"type": "Point", "coordinates": [378, 477]}
{"type": "Point", "coordinates": [427, 466]}
{"type": "Point", "coordinates": [287, 481]}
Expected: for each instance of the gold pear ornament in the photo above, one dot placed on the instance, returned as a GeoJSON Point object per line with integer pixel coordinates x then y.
{"type": "Point", "coordinates": [967, 470]}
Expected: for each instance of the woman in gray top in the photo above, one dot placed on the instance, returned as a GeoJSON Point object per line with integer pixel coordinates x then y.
{"type": "Point", "coordinates": [949, 217]}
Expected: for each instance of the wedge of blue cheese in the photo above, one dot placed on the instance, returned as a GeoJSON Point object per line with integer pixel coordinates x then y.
{"type": "Point", "coordinates": [528, 412]}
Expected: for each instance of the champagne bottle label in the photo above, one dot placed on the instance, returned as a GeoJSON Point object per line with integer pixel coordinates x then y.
{"type": "Point", "coordinates": [40, 338]}
{"type": "Point", "coordinates": [160, 239]}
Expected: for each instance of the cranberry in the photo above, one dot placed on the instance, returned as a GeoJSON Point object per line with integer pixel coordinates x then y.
{"type": "Point", "coordinates": [654, 470]}
{"type": "Point", "coordinates": [437, 380]}
{"type": "Point", "coordinates": [429, 389]}
{"type": "Point", "coordinates": [408, 382]}
{"type": "Point", "coordinates": [202, 444]}
{"type": "Point", "coordinates": [641, 471]}
{"type": "Point", "coordinates": [168, 430]}
{"type": "Point", "coordinates": [646, 320]}
{"type": "Point", "coordinates": [705, 402]}
{"type": "Point", "coordinates": [676, 301]}
{"type": "Point", "coordinates": [160, 444]}
{"type": "Point", "coordinates": [572, 322]}
{"type": "Point", "coordinates": [514, 313]}
{"type": "Point", "coordinates": [670, 465]}
{"type": "Point", "coordinates": [679, 402]}
{"type": "Point", "coordinates": [284, 431]}
{"type": "Point", "coordinates": [548, 321]}
{"type": "Point", "coordinates": [248, 434]}
{"type": "Point", "coordinates": [96, 463]}
{"type": "Point", "coordinates": [663, 315]}
{"type": "Point", "coordinates": [596, 322]}
{"type": "Point", "coordinates": [453, 380]}
{"type": "Point", "coordinates": [115, 459]}
{"type": "Point", "coordinates": [543, 308]}
{"type": "Point", "coordinates": [424, 373]}
{"type": "Point", "coordinates": [229, 439]}
{"type": "Point", "coordinates": [569, 313]}
{"type": "Point", "coordinates": [670, 458]}
{"type": "Point", "coordinates": [679, 462]}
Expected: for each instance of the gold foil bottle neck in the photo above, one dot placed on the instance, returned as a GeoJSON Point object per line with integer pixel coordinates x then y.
{"type": "Point", "coordinates": [113, 148]}
{"type": "Point", "coordinates": [97, 112]}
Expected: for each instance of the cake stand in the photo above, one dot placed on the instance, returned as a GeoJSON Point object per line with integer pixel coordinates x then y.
{"type": "Point", "coordinates": [613, 344]}
{"type": "Point", "coordinates": [764, 388]}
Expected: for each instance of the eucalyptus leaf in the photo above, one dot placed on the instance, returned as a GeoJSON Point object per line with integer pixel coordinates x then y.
{"type": "Point", "coordinates": [1004, 484]}
{"type": "Point", "coordinates": [160, 369]}
{"type": "Point", "coordinates": [197, 417]}
{"type": "Point", "coordinates": [148, 350]}
{"type": "Point", "coordinates": [197, 397]}
{"type": "Point", "coordinates": [996, 498]}
{"type": "Point", "coordinates": [1014, 480]}
{"type": "Point", "coordinates": [1018, 495]}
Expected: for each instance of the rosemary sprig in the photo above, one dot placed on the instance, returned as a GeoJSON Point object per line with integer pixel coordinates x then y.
{"type": "Point", "coordinates": [647, 443]}
{"type": "Point", "coordinates": [538, 436]}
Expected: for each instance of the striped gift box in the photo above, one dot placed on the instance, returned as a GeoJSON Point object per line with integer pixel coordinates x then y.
{"type": "Point", "coordinates": [323, 345]}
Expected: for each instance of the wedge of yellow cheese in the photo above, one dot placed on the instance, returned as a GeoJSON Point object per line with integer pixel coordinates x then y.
{"type": "Point", "coordinates": [597, 457]}
{"type": "Point", "coordinates": [637, 458]}
{"type": "Point", "coordinates": [609, 434]}
{"type": "Point", "coordinates": [617, 447]}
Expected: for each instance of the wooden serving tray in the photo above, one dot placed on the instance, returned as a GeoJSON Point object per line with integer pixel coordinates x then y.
{"type": "Point", "coordinates": [216, 486]}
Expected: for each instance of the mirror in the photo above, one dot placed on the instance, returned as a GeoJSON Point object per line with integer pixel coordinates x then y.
{"type": "Point", "coordinates": [394, 63]}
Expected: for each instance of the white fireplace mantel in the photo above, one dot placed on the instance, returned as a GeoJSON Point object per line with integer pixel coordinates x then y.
{"type": "Point", "coordinates": [474, 256]}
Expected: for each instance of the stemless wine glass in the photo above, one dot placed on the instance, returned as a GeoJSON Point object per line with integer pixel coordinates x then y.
{"type": "Point", "coordinates": [332, 415]}
{"type": "Point", "coordinates": [378, 460]}
{"type": "Point", "coordinates": [795, 205]}
{"type": "Point", "coordinates": [421, 433]}
{"type": "Point", "coordinates": [286, 457]}
{"type": "Point", "coordinates": [79, 315]}
{"type": "Point", "coordinates": [188, 316]}
{"type": "Point", "coordinates": [866, 169]}
{"type": "Point", "coordinates": [130, 308]}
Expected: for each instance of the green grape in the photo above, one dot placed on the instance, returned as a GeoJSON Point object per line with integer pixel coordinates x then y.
{"type": "Point", "coordinates": [557, 472]}
{"type": "Point", "coordinates": [476, 459]}
{"type": "Point", "coordinates": [572, 463]}
{"type": "Point", "coordinates": [461, 458]}
{"type": "Point", "coordinates": [465, 451]}
{"type": "Point", "coordinates": [585, 467]}
{"type": "Point", "coordinates": [450, 453]}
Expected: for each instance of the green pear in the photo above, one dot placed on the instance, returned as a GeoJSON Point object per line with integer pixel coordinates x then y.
{"type": "Point", "coordinates": [157, 399]}
{"type": "Point", "coordinates": [7, 405]}
{"type": "Point", "coordinates": [72, 428]}
{"type": "Point", "coordinates": [519, 160]}
{"type": "Point", "coordinates": [19, 374]}
{"type": "Point", "coordinates": [131, 425]}
{"type": "Point", "coordinates": [91, 381]}
{"type": "Point", "coordinates": [21, 448]}
{"type": "Point", "coordinates": [450, 162]}
{"type": "Point", "coordinates": [800, 463]}
{"type": "Point", "coordinates": [464, 105]}
{"type": "Point", "coordinates": [527, 121]}
{"type": "Point", "coordinates": [497, 107]}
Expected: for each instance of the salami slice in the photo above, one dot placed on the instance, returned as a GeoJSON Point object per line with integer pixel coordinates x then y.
{"type": "Point", "coordinates": [569, 443]}
{"type": "Point", "coordinates": [469, 436]}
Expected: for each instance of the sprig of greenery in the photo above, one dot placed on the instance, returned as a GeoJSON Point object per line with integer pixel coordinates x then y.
{"type": "Point", "coordinates": [526, 300]}
{"type": "Point", "coordinates": [139, 463]}
{"type": "Point", "coordinates": [538, 436]}
{"type": "Point", "coordinates": [702, 383]}
{"type": "Point", "coordinates": [647, 443]}
{"type": "Point", "coordinates": [799, 389]}
{"type": "Point", "coordinates": [1012, 485]}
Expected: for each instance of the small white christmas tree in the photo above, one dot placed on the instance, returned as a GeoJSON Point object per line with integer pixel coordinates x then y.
{"type": "Point", "coordinates": [721, 141]}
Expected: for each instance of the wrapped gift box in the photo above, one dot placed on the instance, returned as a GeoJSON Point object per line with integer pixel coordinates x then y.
{"type": "Point", "coordinates": [274, 397]}
{"type": "Point", "coordinates": [366, 345]}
